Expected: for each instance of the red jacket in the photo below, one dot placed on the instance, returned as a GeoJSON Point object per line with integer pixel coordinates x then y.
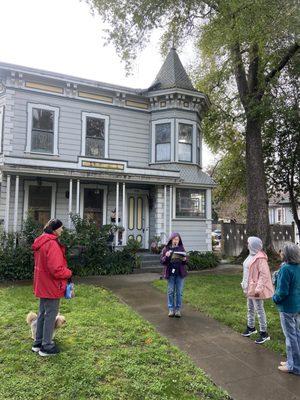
{"type": "Point", "coordinates": [51, 271]}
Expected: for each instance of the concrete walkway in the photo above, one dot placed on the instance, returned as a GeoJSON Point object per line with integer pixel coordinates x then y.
{"type": "Point", "coordinates": [246, 370]}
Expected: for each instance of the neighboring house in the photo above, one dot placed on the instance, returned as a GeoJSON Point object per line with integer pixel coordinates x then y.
{"type": "Point", "coordinates": [280, 212]}
{"type": "Point", "coordinates": [72, 145]}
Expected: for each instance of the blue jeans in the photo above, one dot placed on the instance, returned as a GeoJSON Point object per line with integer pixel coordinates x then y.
{"type": "Point", "coordinates": [175, 289]}
{"type": "Point", "coordinates": [290, 324]}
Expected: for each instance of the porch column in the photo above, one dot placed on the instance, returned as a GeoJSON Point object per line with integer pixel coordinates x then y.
{"type": "Point", "coordinates": [78, 196]}
{"type": "Point", "coordinates": [165, 213]}
{"type": "Point", "coordinates": [124, 213]}
{"type": "Point", "coordinates": [7, 201]}
{"type": "Point", "coordinates": [117, 213]}
{"type": "Point", "coordinates": [171, 209]}
{"type": "Point", "coordinates": [70, 201]}
{"type": "Point", "coordinates": [16, 203]}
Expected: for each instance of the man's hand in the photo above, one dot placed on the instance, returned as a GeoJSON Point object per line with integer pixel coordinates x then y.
{"type": "Point", "coordinates": [256, 294]}
{"type": "Point", "coordinates": [168, 253]}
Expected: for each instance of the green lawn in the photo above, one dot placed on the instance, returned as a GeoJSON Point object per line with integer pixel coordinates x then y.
{"type": "Point", "coordinates": [221, 297]}
{"type": "Point", "coordinates": [108, 352]}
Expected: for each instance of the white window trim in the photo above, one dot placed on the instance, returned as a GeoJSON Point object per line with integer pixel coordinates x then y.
{"type": "Point", "coordinates": [282, 210]}
{"type": "Point", "coordinates": [207, 210]}
{"type": "Point", "coordinates": [30, 106]}
{"type": "Point", "coordinates": [83, 131]}
{"type": "Point", "coordinates": [27, 184]}
{"type": "Point", "coordinates": [194, 140]}
{"type": "Point", "coordinates": [157, 122]}
{"type": "Point", "coordinates": [1, 127]}
{"type": "Point", "coordinates": [94, 186]}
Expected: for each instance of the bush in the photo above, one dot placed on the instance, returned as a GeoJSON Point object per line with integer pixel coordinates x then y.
{"type": "Point", "coordinates": [88, 252]}
{"type": "Point", "coordinates": [198, 261]}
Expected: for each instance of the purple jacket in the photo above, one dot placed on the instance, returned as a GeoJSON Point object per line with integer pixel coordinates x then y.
{"type": "Point", "coordinates": [165, 261]}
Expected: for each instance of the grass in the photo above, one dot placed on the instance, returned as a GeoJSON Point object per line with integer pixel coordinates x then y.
{"type": "Point", "coordinates": [107, 352]}
{"type": "Point", "coordinates": [220, 297]}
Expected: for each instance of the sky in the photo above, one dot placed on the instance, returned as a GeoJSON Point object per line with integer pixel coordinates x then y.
{"type": "Point", "coordinates": [63, 36]}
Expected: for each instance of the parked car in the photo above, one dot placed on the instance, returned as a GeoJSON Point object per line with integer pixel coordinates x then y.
{"type": "Point", "coordinates": [217, 234]}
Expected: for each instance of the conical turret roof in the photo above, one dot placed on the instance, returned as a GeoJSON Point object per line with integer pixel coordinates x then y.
{"type": "Point", "coordinates": [172, 74]}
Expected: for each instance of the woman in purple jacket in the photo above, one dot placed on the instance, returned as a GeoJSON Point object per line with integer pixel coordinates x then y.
{"type": "Point", "coordinates": [173, 257]}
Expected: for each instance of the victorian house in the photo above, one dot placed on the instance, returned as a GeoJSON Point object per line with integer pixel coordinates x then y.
{"type": "Point", "coordinates": [107, 152]}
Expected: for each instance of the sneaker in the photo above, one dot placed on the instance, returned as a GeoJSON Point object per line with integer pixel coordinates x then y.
{"type": "Point", "coordinates": [36, 348]}
{"type": "Point", "coordinates": [284, 363]}
{"type": "Point", "coordinates": [283, 368]}
{"type": "Point", "coordinates": [263, 337]}
{"type": "Point", "coordinates": [51, 352]}
{"type": "Point", "coordinates": [177, 314]}
{"type": "Point", "coordinates": [249, 331]}
{"type": "Point", "coordinates": [171, 313]}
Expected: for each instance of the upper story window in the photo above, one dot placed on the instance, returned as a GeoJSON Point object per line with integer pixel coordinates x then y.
{"type": "Point", "coordinates": [198, 148]}
{"type": "Point", "coordinates": [1, 127]}
{"type": "Point", "coordinates": [163, 142]}
{"type": "Point", "coordinates": [185, 142]}
{"type": "Point", "coordinates": [280, 215]}
{"type": "Point", "coordinates": [42, 129]}
{"type": "Point", "coordinates": [94, 135]}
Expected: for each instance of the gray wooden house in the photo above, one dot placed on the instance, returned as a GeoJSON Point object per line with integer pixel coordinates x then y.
{"type": "Point", "coordinates": [72, 145]}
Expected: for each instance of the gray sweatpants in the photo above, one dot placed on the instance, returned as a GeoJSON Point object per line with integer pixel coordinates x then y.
{"type": "Point", "coordinates": [48, 311]}
{"type": "Point", "coordinates": [256, 305]}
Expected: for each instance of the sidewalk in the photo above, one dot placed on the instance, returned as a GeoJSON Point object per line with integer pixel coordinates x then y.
{"type": "Point", "coordinates": [246, 370]}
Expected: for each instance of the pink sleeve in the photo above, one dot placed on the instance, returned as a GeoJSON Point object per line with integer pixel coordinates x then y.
{"type": "Point", "coordinates": [263, 277]}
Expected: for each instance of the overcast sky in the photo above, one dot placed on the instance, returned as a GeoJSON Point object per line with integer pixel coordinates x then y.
{"type": "Point", "coordinates": [63, 36]}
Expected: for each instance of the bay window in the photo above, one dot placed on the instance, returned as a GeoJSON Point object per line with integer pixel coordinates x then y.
{"type": "Point", "coordinates": [163, 142]}
{"type": "Point", "coordinates": [190, 203]}
{"type": "Point", "coordinates": [185, 142]}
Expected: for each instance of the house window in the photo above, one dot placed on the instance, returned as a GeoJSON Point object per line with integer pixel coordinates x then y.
{"type": "Point", "coordinates": [39, 201]}
{"type": "Point", "coordinates": [93, 200]}
{"type": "Point", "coordinates": [42, 129]}
{"type": "Point", "coordinates": [185, 142]}
{"type": "Point", "coordinates": [190, 203]}
{"type": "Point", "coordinates": [94, 135]}
{"type": "Point", "coordinates": [93, 205]}
{"type": "Point", "coordinates": [163, 142]}
{"type": "Point", "coordinates": [280, 216]}
{"type": "Point", "coordinates": [198, 149]}
{"type": "Point", "coordinates": [1, 126]}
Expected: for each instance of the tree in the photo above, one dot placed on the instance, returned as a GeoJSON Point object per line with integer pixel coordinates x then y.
{"type": "Point", "coordinates": [247, 43]}
{"type": "Point", "coordinates": [282, 139]}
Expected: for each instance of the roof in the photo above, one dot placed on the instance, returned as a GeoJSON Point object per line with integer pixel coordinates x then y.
{"type": "Point", "coordinates": [190, 174]}
{"type": "Point", "coordinates": [172, 74]}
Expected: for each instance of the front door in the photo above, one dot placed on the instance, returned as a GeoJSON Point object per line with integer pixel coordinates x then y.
{"type": "Point", "coordinates": [138, 218]}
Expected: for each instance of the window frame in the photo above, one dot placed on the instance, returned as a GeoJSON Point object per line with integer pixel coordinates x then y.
{"type": "Point", "coordinates": [194, 140]}
{"type": "Point", "coordinates": [84, 117]}
{"type": "Point", "coordinates": [207, 206]}
{"type": "Point", "coordinates": [56, 110]}
{"type": "Point", "coordinates": [97, 187]}
{"type": "Point", "coordinates": [153, 134]}
{"type": "Point", "coordinates": [27, 184]}
{"type": "Point", "coordinates": [1, 127]}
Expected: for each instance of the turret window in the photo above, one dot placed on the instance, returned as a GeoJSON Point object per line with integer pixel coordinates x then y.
{"type": "Point", "coordinates": [163, 142]}
{"type": "Point", "coordinates": [185, 142]}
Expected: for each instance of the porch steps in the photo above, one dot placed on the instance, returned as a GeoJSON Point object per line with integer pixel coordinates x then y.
{"type": "Point", "coordinates": [149, 263]}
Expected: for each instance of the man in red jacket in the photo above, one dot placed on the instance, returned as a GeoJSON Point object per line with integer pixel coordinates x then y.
{"type": "Point", "coordinates": [51, 274]}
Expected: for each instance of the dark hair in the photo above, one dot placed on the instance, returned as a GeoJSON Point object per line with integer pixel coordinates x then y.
{"type": "Point", "coordinates": [52, 225]}
{"type": "Point", "coordinates": [291, 253]}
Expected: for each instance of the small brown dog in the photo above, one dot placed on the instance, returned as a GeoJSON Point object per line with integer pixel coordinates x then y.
{"type": "Point", "coordinates": [31, 320]}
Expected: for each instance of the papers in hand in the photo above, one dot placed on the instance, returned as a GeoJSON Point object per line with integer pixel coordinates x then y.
{"type": "Point", "coordinates": [180, 253]}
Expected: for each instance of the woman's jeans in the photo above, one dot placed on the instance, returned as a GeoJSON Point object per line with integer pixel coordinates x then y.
{"type": "Point", "coordinates": [48, 311]}
{"type": "Point", "coordinates": [175, 289]}
{"type": "Point", "coordinates": [256, 305]}
{"type": "Point", "coordinates": [290, 324]}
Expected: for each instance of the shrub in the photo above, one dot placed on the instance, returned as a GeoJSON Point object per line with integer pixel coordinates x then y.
{"type": "Point", "coordinates": [198, 260]}
{"type": "Point", "coordinates": [88, 252]}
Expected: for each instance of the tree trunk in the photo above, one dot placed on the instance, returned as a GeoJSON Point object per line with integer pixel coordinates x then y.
{"type": "Point", "coordinates": [257, 199]}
